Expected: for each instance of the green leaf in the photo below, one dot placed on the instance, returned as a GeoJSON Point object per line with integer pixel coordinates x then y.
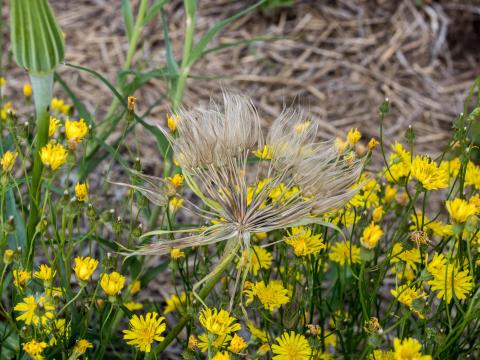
{"type": "Point", "coordinates": [203, 42]}
{"type": "Point", "coordinates": [153, 11]}
{"type": "Point", "coordinates": [127, 18]}
{"type": "Point", "coordinates": [37, 40]}
{"type": "Point", "coordinates": [172, 65]}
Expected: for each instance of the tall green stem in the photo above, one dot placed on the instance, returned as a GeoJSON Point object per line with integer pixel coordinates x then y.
{"type": "Point", "coordinates": [190, 10]}
{"type": "Point", "coordinates": [42, 86]}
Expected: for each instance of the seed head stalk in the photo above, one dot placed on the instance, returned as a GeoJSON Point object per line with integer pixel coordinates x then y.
{"type": "Point", "coordinates": [229, 254]}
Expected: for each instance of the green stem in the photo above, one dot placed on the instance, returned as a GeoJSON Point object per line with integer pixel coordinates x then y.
{"type": "Point", "coordinates": [132, 46]}
{"type": "Point", "coordinates": [190, 10]}
{"type": "Point", "coordinates": [209, 285]}
{"type": "Point", "coordinates": [42, 86]}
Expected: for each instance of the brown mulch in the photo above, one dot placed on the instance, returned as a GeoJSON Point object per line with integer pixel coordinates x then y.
{"type": "Point", "coordinates": [338, 59]}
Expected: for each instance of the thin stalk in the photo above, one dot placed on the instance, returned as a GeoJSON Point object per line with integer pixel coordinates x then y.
{"type": "Point", "coordinates": [207, 288]}
{"type": "Point", "coordinates": [42, 86]}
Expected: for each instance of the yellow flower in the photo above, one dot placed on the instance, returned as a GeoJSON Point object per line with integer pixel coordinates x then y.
{"type": "Point", "coordinates": [175, 203]}
{"type": "Point", "coordinates": [406, 295]}
{"type": "Point", "coordinates": [272, 296]}
{"type": "Point", "coordinates": [35, 311]}
{"type": "Point", "coordinates": [218, 322]}
{"type": "Point", "coordinates": [258, 333]}
{"type": "Point", "coordinates": [135, 287]}
{"type": "Point", "coordinates": [291, 347]}
{"type": "Point", "coordinates": [390, 193]}
{"type": "Point", "coordinates": [221, 356]}
{"type": "Point", "coordinates": [8, 159]}
{"type": "Point", "coordinates": [53, 125]}
{"type": "Point", "coordinates": [472, 176]}
{"type": "Point", "coordinates": [53, 156]}
{"type": "Point", "coordinates": [172, 121]}
{"type": "Point", "coordinates": [176, 254]}
{"type": "Point", "coordinates": [399, 163]}
{"type": "Point", "coordinates": [340, 145]}
{"type": "Point", "coordinates": [371, 235]}
{"type": "Point", "coordinates": [437, 264]}
{"type": "Point", "coordinates": [260, 259]}
{"type": "Point", "coordinates": [353, 136]}
{"type": "Point", "coordinates": [81, 191]}
{"type": "Point", "coordinates": [204, 341]}
{"type": "Point", "coordinates": [175, 302]}
{"type": "Point", "coordinates": [408, 349]}
{"type": "Point", "coordinates": [35, 348]}
{"type": "Point", "coordinates": [237, 344]}
{"type": "Point", "coordinates": [20, 278]}
{"type": "Point", "coordinates": [144, 331]}
{"type": "Point", "coordinates": [133, 306]}
{"type": "Point", "coordinates": [450, 280]}
{"type": "Point", "coordinates": [75, 131]}
{"type": "Point", "coordinates": [59, 105]}
{"type": "Point", "coordinates": [377, 214]}
{"type": "Point", "coordinates": [3, 81]}
{"type": "Point", "coordinates": [263, 349]}
{"type": "Point", "coordinates": [81, 346]}
{"type": "Point", "coordinates": [84, 268]}
{"type": "Point", "coordinates": [265, 153]}
{"type": "Point", "coordinates": [372, 144]}
{"type": "Point", "coordinates": [45, 273]}
{"type": "Point", "coordinates": [460, 210]}
{"type": "Point", "coordinates": [176, 181]}
{"type": "Point", "coordinates": [304, 242]}
{"type": "Point", "coordinates": [27, 90]}
{"type": "Point", "coordinates": [112, 283]}
{"type": "Point", "coordinates": [341, 253]}
{"type": "Point", "coordinates": [428, 173]}
{"type": "Point", "coordinates": [192, 342]}
{"type": "Point", "coordinates": [5, 110]}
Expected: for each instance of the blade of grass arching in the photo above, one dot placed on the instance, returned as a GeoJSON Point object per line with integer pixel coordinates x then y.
{"type": "Point", "coordinates": [153, 11]}
{"type": "Point", "coordinates": [172, 65]}
{"type": "Point", "coordinates": [127, 18]}
{"type": "Point", "coordinates": [79, 106]}
{"type": "Point", "coordinates": [162, 141]}
{"type": "Point", "coordinates": [141, 78]}
{"type": "Point", "coordinates": [198, 50]}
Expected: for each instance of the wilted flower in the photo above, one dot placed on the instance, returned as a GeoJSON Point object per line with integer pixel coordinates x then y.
{"type": "Point", "coordinates": [213, 148]}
